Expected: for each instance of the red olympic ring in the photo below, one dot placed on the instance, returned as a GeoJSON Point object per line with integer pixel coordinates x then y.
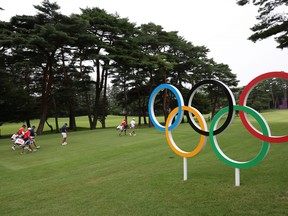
{"type": "Point", "coordinates": [242, 102]}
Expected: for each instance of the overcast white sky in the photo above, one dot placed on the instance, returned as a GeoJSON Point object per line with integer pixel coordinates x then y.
{"type": "Point", "coordinates": [222, 26]}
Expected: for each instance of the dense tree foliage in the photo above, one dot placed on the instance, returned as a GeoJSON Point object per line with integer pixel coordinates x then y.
{"type": "Point", "coordinates": [95, 64]}
{"type": "Point", "coordinates": [273, 20]}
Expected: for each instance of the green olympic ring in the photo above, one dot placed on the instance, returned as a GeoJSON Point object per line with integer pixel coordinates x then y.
{"type": "Point", "coordinates": [237, 164]}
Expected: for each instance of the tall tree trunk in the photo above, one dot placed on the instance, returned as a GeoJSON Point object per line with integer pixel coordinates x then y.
{"type": "Point", "coordinates": [214, 106]}
{"type": "Point", "coordinates": [72, 118]}
{"type": "Point", "coordinates": [165, 106]}
{"type": "Point", "coordinates": [139, 107]}
{"type": "Point", "coordinates": [98, 88]}
{"type": "Point", "coordinates": [125, 99]}
{"type": "Point", "coordinates": [70, 101]}
{"type": "Point", "coordinates": [86, 96]}
{"type": "Point", "coordinates": [105, 96]}
{"type": "Point", "coordinates": [89, 113]}
{"type": "Point", "coordinates": [144, 110]}
{"type": "Point", "coordinates": [46, 91]}
{"type": "Point", "coordinates": [53, 101]}
{"type": "Point", "coordinates": [28, 123]}
{"type": "Point", "coordinates": [150, 91]}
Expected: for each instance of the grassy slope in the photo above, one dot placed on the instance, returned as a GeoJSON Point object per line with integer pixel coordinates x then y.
{"type": "Point", "coordinates": [100, 173]}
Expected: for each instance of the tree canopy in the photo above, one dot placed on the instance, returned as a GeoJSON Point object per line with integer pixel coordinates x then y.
{"type": "Point", "coordinates": [95, 63]}
{"type": "Point", "coordinates": [273, 20]}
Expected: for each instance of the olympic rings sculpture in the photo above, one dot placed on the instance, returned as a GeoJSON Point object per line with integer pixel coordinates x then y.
{"type": "Point", "coordinates": [202, 128]}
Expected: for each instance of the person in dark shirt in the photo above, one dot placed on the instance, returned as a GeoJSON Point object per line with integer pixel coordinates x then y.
{"type": "Point", "coordinates": [64, 134]}
{"type": "Point", "coordinates": [32, 137]}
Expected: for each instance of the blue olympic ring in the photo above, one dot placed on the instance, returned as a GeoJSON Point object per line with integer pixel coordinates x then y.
{"type": "Point", "coordinates": [180, 101]}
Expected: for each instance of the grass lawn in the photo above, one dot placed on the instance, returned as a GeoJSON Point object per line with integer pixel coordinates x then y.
{"type": "Point", "coordinates": [102, 173]}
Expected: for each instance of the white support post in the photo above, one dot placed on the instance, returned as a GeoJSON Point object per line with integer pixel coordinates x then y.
{"type": "Point", "coordinates": [237, 177]}
{"type": "Point", "coordinates": [185, 168]}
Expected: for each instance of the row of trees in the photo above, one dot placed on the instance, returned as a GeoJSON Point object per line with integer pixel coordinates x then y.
{"type": "Point", "coordinates": [54, 65]}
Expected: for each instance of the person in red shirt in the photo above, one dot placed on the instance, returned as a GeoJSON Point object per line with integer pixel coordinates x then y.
{"type": "Point", "coordinates": [20, 134]}
{"type": "Point", "coordinates": [123, 127]}
{"type": "Point", "coordinates": [21, 131]}
{"type": "Point", "coordinates": [26, 138]}
{"type": "Point", "coordinates": [27, 135]}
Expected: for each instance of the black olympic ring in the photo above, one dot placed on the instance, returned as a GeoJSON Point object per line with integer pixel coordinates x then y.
{"type": "Point", "coordinates": [231, 103]}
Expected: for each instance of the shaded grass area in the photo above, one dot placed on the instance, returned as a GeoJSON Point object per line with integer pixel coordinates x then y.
{"type": "Point", "coordinates": [100, 173]}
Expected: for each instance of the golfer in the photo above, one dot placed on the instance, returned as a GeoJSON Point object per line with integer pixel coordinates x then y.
{"type": "Point", "coordinates": [123, 127]}
{"type": "Point", "coordinates": [64, 134]}
{"type": "Point", "coordinates": [32, 137]}
{"type": "Point", "coordinates": [132, 126]}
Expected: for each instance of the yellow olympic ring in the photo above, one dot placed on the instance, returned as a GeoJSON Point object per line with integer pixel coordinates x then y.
{"type": "Point", "coordinates": [169, 137]}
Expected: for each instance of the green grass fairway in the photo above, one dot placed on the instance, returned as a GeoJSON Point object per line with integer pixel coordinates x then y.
{"type": "Point", "coordinates": [100, 173]}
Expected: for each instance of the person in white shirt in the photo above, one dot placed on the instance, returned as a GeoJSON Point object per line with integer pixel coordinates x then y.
{"type": "Point", "coordinates": [132, 126]}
